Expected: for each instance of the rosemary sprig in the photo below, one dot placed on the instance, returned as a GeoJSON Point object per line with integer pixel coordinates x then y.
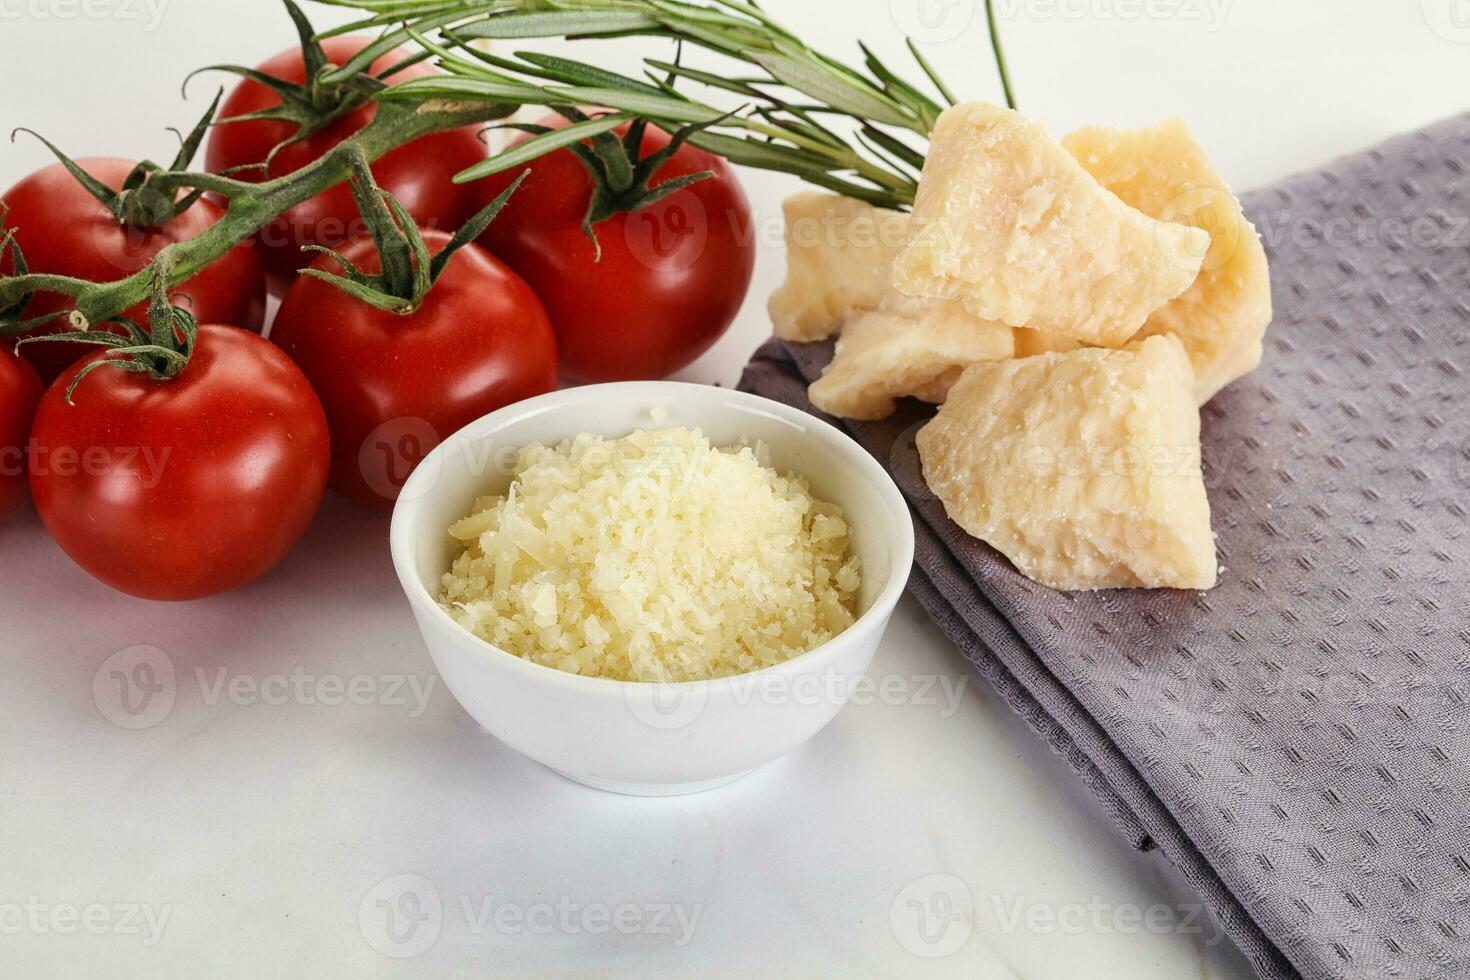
{"type": "Point", "coordinates": [791, 145]}
{"type": "Point", "coordinates": [1000, 58]}
{"type": "Point", "coordinates": [795, 102]}
{"type": "Point", "coordinates": [794, 106]}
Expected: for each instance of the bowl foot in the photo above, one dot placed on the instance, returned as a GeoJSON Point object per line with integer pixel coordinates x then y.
{"type": "Point", "coordinates": [652, 789]}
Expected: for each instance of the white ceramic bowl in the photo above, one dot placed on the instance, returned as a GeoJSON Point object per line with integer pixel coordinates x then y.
{"type": "Point", "coordinates": [622, 736]}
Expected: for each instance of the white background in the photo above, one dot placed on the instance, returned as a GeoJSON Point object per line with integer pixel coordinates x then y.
{"type": "Point", "coordinates": [266, 833]}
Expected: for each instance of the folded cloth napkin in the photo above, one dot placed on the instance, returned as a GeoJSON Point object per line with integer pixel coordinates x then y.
{"type": "Point", "coordinates": [1296, 740]}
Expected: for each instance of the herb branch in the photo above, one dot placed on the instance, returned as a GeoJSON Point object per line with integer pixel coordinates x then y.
{"type": "Point", "coordinates": [857, 130]}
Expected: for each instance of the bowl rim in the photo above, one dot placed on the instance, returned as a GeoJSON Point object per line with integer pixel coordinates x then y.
{"type": "Point", "coordinates": [877, 481]}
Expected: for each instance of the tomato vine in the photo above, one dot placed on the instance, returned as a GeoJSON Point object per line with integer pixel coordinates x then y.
{"type": "Point", "coordinates": [791, 97]}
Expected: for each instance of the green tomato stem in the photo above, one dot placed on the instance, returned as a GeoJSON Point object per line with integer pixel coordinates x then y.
{"type": "Point", "coordinates": [252, 206]}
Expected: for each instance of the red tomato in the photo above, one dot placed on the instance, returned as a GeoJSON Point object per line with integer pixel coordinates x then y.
{"type": "Point", "coordinates": [63, 230]}
{"type": "Point", "coordinates": [394, 385]}
{"type": "Point", "coordinates": [188, 487]}
{"type": "Point", "coordinates": [672, 275]}
{"type": "Point", "coordinates": [20, 389]}
{"type": "Point", "coordinates": [418, 173]}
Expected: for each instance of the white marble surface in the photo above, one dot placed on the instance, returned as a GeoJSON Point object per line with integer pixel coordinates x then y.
{"type": "Point", "coordinates": [305, 799]}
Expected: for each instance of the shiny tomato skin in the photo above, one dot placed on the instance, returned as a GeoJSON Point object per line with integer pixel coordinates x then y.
{"type": "Point", "coordinates": [20, 389]}
{"type": "Point", "coordinates": [188, 487]}
{"type": "Point", "coordinates": [395, 385]}
{"type": "Point", "coordinates": [417, 173]}
{"type": "Point", "coordinates": [671, 278]}
{"type": "Point", "coordinates": [64, 230]}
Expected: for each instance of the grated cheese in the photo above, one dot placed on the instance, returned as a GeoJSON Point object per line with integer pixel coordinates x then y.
{"type": "Point", "coordinates": [654, 557]}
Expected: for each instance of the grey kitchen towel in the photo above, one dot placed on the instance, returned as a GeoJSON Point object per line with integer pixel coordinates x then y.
{"type": "Point", "coordinates": [1296, 740]}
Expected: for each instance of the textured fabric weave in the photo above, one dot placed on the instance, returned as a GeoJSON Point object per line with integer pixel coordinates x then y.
{"type": "Point", "coordinates": [1297, 740]}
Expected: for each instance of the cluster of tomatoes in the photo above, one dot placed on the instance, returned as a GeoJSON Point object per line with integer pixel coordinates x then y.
{"type": "Point", "coordinates": [182, 487]}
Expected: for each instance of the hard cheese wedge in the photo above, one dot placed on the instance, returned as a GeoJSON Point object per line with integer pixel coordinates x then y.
{"type": "Point", "coordinates": [906, 347]}
{"type": "Point", "coordinates": [1161, 171]}
{"type": "Point", "coordinates": [1006, 221]}
{"type": "Point", "coordinates": [1083, 468]}
{"type": "Point", "coordinates": [839, 259]}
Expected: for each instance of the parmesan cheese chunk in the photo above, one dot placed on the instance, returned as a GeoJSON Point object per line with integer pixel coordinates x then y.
{"type": "Point", "coordinates": [1029, 342]}
{"type": "Point", "coordinates": [654, 557]}
{"type": "Point", "coordinates": [1083, 468]}
{"type": "Point", "coordinates": [906, 347]}
{"type": "Point", "coordinates": [839, 259]}
{"type": "Point", "coordinates": [1006, 221]}
{"type": "Point", "coordinates": [1163, 172]}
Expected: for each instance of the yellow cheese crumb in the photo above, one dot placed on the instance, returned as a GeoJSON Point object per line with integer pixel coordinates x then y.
{"type": "Point", "coordinates": [1008, 222]}
{"type": "Point", "coordinates": [839, 257]}
{"type": "Point", "coordinates": [1163, 172]}
{"type": "Point", "coordinates": [907, 347]}
{"type": "Point", "coordinates": [1083, 468]}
